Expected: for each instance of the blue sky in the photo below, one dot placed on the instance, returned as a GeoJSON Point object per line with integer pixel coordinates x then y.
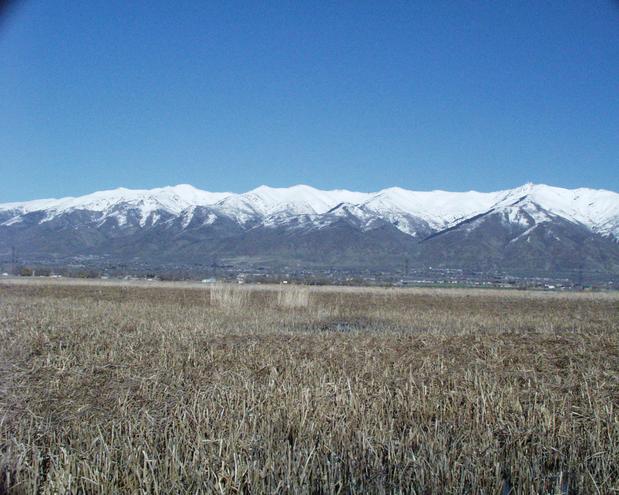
{"type": "Point", "coordinates": [361, 95]}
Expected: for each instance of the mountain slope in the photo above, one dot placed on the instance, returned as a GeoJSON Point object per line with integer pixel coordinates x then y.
{"type": "Point", "coordinates": [531, 228]}
{"type": "Point", "coordinates": [522, 238]}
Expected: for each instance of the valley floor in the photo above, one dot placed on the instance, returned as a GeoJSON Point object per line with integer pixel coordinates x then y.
{"type": "Point", "coordinates": [180, 388]}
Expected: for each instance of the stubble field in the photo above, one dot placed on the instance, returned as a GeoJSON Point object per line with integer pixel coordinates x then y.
{"type": "Point", "coordinates": [172, 388]}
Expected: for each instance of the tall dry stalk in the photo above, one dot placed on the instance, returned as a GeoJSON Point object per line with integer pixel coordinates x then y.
{"type": "Point", "coordinates": [293, 296]}
{"type": "Point", "coordinates": [229, 296]}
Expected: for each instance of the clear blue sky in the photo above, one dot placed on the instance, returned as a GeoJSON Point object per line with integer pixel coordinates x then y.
{"type": "Point", "coordinates": [362, 95]}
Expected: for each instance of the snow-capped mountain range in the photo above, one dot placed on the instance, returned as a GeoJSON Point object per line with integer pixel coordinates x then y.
{"type": "Point", "coordinates": [598, 210]}
{"type": "Point", "coordinates": [539, 226]}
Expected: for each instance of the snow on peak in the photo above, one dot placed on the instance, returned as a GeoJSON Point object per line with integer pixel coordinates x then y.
{"type": "Point", "coordinates": [438, 208]}
{"type": "Point", "coordinates": [597, 209]}
{"type": "Point", "coordinates": [171, 198]}
{"type": "Point", "coordinates": [308, 199]}
{"type": "Point", "coordinates": [294, 200]}
{"type": "Point", "coordinates": [591, 207]}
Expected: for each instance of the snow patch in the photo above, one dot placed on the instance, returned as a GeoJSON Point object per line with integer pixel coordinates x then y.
{"type": "Point", "coordinates": [407, 210]}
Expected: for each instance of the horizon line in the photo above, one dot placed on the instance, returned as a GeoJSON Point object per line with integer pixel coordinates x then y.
{"type": "Point", "coordinates": [528, 185]}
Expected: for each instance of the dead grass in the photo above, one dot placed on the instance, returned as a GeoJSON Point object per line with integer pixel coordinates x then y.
{"type": "Point", "coordinates": [178, 389]}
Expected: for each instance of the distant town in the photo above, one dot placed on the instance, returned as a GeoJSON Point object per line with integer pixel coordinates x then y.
{"type": "Point", "coordinates": [250, 272]}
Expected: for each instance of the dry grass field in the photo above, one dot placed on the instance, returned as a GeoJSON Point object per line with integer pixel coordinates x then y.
{"type": "Point", "coordinates": [184, 389]}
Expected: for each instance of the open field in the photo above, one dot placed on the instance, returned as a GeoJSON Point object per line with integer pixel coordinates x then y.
{"type": "Point", "coordinates": [179, 388]}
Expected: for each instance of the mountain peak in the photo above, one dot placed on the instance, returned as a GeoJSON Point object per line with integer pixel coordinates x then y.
{"type": "Point", "coordinates": [268, 221]}
{"type": "Point", "coordinates": [596, 209]}
{"type": "Point", "coordinates": [182, 188]}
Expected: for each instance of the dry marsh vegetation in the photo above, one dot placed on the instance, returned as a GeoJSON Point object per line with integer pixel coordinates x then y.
{"type": "Point", "coordinates": [128, 389]}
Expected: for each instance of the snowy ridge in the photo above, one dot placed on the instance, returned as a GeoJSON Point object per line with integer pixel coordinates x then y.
{"type": "Point", "coordinates": [412, 212]}
{"type": "Point", "coordinates": [173, 199]}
